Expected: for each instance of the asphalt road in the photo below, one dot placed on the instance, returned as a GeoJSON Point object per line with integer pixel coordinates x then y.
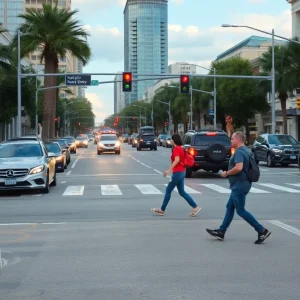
{"type": "Point", "coordinates": [94, 236]}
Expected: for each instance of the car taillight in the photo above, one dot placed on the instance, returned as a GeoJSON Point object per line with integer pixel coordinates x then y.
{"type": "Point", "coordinates": [211, 133]}
{"type": "Point", "coordinates": [232, 151]}
{"type": "Point", "coordinates": [192, 151]}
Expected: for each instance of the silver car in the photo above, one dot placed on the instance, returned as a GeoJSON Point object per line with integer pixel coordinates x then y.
{"type": "Point", "coordinates": [26, 165]}
{"type": "Point", "coordinates": [108, 143]}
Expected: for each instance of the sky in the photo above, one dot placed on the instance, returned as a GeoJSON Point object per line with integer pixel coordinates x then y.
{"type": "Point", "coordinates": [195, 35]}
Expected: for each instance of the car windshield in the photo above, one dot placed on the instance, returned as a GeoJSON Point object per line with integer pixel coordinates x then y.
{"type": "Point", "coordinates": [80, 138]}
{"type": "Point", "coordinates": [70, 140]}
{"type": "Point", "coordinates": [52, 148]}
{"type": "Point", "coordinates": [108, 138]}
{"type": "Point", "coordinates": [63, 144]}
{"type": "Point", "coordinates": [204, 140]}
{"type": "Point", "coordinates": [282, 139]}
{"type": "Point", "coordinates": [20, 150]}
{"type": "Point", "coordinates": [148, 138]}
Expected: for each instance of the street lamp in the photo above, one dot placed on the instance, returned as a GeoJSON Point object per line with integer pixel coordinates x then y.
{"type": "Point", "coordinates": [273, 65]}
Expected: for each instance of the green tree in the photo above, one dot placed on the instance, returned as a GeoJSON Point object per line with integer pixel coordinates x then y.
{"type": "Point", "coordinates": [5, 54]}
{"type": "Point", "coordinates": [56, 32]}
{"type": "Point", "coordinates": [285, 65]}
{"type": "Point", "coordinates": [240, 98]}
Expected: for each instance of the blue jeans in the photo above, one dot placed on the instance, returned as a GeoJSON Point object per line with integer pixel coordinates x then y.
{"type": "Point", "coordinates": [236, 202]}
{"type": "Point", "coordinates": [177, 180]}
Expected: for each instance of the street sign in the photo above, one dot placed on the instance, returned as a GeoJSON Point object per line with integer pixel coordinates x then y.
{"type": "Point", "coordinates": [211, 107]}
{"type": "Point", "coordinates": [94, 82]}
{"type": "Point", "coordinates": [78, 80]}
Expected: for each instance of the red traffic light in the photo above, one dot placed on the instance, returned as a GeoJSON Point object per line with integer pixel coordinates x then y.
{"type": "Point", "coordinates": [184, 79]}
{"type": "Point", "coordinates": [78, 123]}
{"type": "Point", "coordinates": [56, 119]}
{"type": "Point", "coordinates": [127, 76]}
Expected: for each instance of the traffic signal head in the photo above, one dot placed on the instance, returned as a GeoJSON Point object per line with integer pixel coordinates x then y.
{"type": "Point", "coordinates": [78, 123]}
{"type": "Point", "coordinates": [117, 119]}
{"type": "Point", "coordinates": [127, 82]}
{"type": "Point", "coordinates": [298, 103]}
{"type": "Point", "coordinates": [184, 84]}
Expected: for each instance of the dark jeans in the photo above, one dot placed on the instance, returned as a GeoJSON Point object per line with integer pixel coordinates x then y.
{"type": "Point", "coordinates": [177, 180]}
{"type": "Point", "coordinates": [236, 202]}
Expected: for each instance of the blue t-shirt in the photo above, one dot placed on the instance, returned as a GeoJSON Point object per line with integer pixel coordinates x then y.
{"type": "Point", "coordinates": [240, 181]}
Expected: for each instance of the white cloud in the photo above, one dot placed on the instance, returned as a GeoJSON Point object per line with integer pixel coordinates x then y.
{"type": "Point", "coordinates": [178, 2]}
{"type": "Point", "coordinates": [97, 106]}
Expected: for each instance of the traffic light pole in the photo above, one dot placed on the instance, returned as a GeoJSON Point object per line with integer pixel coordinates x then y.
{"type": "Point", "coordinates": [215, 100]}
{"type": "Point", "coordinates": [191, 125]}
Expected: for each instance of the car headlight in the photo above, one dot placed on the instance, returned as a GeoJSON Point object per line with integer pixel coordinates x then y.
{"type": "Point", "coordinates": [277, 150]}
{"type": "Point", "coordinates": [117, 144]}
{"type": "Point", "coordinates": [37, 170]}
{"type": "Point", "coordinates": [59, 158]}
{"type": "Point", "coordinates": [155, 140]}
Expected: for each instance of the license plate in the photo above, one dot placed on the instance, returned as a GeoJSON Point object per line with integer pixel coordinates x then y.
{"type": "Point", "coordinates": [293, 157]}
{"type": "Point", "coordinates": [10, 182]}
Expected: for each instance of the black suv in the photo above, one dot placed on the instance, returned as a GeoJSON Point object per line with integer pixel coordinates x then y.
{"type": "Point", "coordinates": [276, 149]}
{"type": "Point", "coordinates": [211, 150]}
{"type": "Point", "coordinates": [147, 140]}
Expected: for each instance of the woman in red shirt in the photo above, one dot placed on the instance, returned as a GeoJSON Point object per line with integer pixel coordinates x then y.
{"type": "Point", "coordinates": [177, 179]}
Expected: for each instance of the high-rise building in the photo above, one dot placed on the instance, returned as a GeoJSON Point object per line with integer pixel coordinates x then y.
{"type": "Point", "coordinates": [118, 94]}
{"type": "Point", "coordinates": [295, 17]}
{"type": "Point", "coordinates": [9, 11]}
{"type": "Point", "coordinates": [145, 42]}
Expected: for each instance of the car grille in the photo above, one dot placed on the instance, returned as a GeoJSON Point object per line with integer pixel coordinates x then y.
{"type": "Point", "coordinates": [290, 152]}
{"type": "Point", "coordinates": [109, 145]}
{"type": "Point", "coordinates": [16, 173]}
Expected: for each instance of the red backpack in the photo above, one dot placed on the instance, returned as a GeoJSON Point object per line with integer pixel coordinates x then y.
{"type": "Point", "coordinates": [188, 159]}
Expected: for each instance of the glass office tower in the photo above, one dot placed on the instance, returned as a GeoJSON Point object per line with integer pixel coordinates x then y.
{"type": "Point", "coordinates": [145, 42]}
{"type": "Point", "coordinates": [9, 11]}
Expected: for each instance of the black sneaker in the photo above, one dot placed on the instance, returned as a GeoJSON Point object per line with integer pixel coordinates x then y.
{"type": "Point", "coordinates": [217, 233]}
{"type": "Point", "coordinates": [262, 236]}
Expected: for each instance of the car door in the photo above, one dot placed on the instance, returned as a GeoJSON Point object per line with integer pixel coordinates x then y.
{"type": "Point", "coordinates": [264, 149]}
{"type": "Point", "coordinates": [51, 164]}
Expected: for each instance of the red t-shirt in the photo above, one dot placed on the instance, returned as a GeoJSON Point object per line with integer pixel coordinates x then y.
{"type": "Point", "coordinates": [178, 151]}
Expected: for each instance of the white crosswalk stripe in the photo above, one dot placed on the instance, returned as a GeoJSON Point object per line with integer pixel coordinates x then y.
{"type": "Point", "coordinates": [279, 187]}
{"type": "Point", "coordinates": [148, 189]}
{"type": "Point", "coordinates": [158, 189]}
{"type": "Point", "coordinates": [188, 189]}
{"type": "Point", "coordinates": [110, 190]}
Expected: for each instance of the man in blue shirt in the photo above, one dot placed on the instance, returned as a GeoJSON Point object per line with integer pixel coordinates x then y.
{"type": "Point", "coordinates": [240, 187]}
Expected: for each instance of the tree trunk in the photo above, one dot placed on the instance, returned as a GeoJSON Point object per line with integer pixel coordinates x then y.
{"type": "Point", "coordinates": [283, 96]}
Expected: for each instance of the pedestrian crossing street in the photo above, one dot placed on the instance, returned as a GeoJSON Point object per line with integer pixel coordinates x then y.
{"type": "Point", "coordinates": [159, 189]}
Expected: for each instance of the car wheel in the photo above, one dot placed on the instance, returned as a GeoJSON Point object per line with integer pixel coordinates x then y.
{"type": "Point", "coordinates": [54, 180]}
{"type": "Point", "coordinates": [270, 162]}
{"type": "Point", "coordinates": [98, 152]}
{"type": "Point", "coordinates": [255, 158]}
{"type": "Point", "coordinates": [65, 167]}
{"type": "Point", "coordinates": [188, 172]}
{"type": "Point", "coordinates": [46, 189]}
{"type": "Point", "coordinates": [118, 152]}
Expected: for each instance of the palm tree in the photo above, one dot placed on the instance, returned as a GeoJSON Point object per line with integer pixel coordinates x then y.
{"type": "Point", "coordinates": [5, 53]}
{"type": "Point", "coordinates": [283, 82]}
{"type": "Point", "coordinates": [55, 32]}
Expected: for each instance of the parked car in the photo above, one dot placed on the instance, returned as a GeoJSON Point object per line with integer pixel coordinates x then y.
{"type": "Point", "coordinates": [26, 165]}
{"type": "Point", "coordinates": [72, 143]}
{"type": "Point", "coordinates": [275, 149]}
{"type": "Point", "coordinates": [82, 141]}
{"type": "Point", "coordinates": [64, 145]}
{"type": "Point", "coordinates": [60, 155]}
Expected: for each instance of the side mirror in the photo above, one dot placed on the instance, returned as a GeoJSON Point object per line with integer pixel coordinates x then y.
{"type": "Point", "coordinates": [51, 154]}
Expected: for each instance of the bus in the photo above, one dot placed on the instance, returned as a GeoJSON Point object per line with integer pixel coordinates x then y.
{"type": "Point", "coordinates": [146, 129]}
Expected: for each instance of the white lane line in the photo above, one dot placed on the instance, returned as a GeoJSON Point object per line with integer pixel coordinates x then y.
{"type": "Point", "coordinates": [279, 187]}
{"type": "Point", "coordinates": [157, 171]}
{"type": "Point", "coordinates": [63, 182]}
{"type": "Point", "coordinates": [68, 173]}
{"type": "Point", "coordinates": [53, 223]}
{"type": "Point", "coordinates": [286, 227]}
{"type": "Point", "coordinates": [95, 175]}
{"type": "Point", "coordinates": [258, 191]}
{"type": "Point", "coordinates": [76, 161]}
{"type": "Point", "coordinates": [294, 184]}
{"type": "Point", "coordinates": [17, 224]}
{"type": "Point", "coordinates": [74, 190]}
{"type": "Point", "coordinates": [148, 189]}
{"type": "Point", "coordinates": [110, 190]}
{"type": "Point", "coordinates": [188, 189]}
{"type": "Point", "coordinates": [217, 188]}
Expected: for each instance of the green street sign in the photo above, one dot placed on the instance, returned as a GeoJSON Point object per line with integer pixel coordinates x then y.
{"type": "Point", "coordinates": [94, 82]}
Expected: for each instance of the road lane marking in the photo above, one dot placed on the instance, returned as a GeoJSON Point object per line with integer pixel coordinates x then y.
{"type": "Point", "coordinates": [76, 161]}
{"type": "Point", "coordinates": [69, 172]}
{"type": "Point", "coordinates": [188, 189]}
{"type": "Point", "coordinates": [110, 190]}
{"type": "Point", "coordinates": [294, 184]}
{"type": "Point", "coordinates": [217, 188]}
{"type": "Point", "coordinates": [157, 171]}
{"type": "Point", "coordinates": [286, 227]}
{"type": "Point", "coordinates": [148, 189]}
{"type": "Point", "coordinates": [258, 191]}
{"type": "Point", "coordinates": [279, 187]}
{"type": "Point", "coordinates": [94, 175]}
{"type": "Point", "coordinates": [74, 190]}
{"type": "Point", "coordinates": [63, 182]}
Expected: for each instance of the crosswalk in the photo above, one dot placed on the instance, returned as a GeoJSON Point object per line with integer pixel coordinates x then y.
{"type": "Point", "coordinates": [159, 189]}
